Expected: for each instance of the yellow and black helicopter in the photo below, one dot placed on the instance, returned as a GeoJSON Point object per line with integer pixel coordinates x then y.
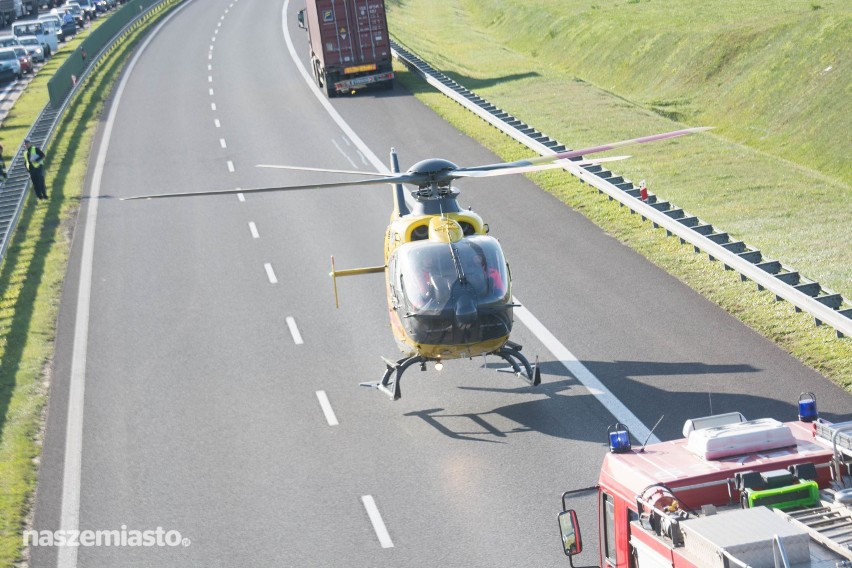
{"type": "Point", "coordinates": [447, 281]}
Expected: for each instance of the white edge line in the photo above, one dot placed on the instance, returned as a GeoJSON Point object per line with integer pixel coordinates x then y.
{"type": "Point", "coordinates": [69, 519]}
{"type": "Point", "coordinates": [582, 374]}
{"type": "Point", "coordinates": [560, 352]}
{"type": "Point", "coordinates": [377, 163]}
{"type": "Point", "coordinates": [378, 523]}
{"type": "Point", "coordinates": [326, 409]}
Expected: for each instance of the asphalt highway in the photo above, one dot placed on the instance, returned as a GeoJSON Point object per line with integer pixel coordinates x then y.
{"type": "Point", "coordinates": [204, 382]}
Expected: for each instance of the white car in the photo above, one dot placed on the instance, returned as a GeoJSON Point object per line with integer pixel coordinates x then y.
{"type": "Point", "coordinates": [33, 46]}
{"type": "Point", "coordinates": [10, 67]}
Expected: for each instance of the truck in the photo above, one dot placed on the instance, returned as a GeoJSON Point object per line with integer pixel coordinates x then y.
{"type": "Point", "coordinates": [732, 493]}
{"type": "Point", "coordinates": [349, 44]}
{"type": "Point", "coordinates": [7, 12]}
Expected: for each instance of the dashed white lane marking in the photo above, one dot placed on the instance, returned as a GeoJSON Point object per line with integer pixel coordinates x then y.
{"type": "Point", "coordinates": [210, 67]}
{"type": "Point", "coordinates": [378, 523]}
{"type": "Point", "coordinates": [211, 92]}
{"type": "Point", "coordinates": [216, 123]}
{"type": "Point", "coordinates": [241, 197]}
{"type": "Point", "coordinates": [326, 409]}
{"type": "Point", "coordinates": [253, 229]}
{"type": "Point", "coordinates": [294, 331]}
{"type": "Point", "coordinates": [230, 166]}
{"type": "Point", "coordinates": [222, 143]}
{"type": "Point", "coordinates": [209, 78]}
{"type": "Point", "coordinates": [270, 273]}
{"type": "Point", "coordinates": [212, 106]}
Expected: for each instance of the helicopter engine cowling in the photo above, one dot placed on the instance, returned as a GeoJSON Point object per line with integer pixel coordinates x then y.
{"type": "Point", "coordinates": [433, 171]}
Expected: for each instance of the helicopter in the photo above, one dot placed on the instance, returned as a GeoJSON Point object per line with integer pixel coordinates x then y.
{"type": "Point", "coordinates": [447, 282]}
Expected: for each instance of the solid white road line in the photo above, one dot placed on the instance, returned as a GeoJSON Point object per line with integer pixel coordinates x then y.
{"type": "Point", "coordinates": [326, 409]}
{"type": "Point", "coordinates": [270, 273]}
{"type": "Point", "coordinates": [294, 331]}
{"type": "Point", "coordinates": [69, 520]}
{"type": "Point", "coordinates": [582, 374]}
{"type": "Point", "coordinates": [560, 352]}
{"type": "Point", "coordinates": [253, 229]}
{"type": "Point", "coordinates": [378, 523]}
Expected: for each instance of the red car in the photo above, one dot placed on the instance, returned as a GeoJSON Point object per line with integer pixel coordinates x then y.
{"type": "Point", "coordinates": [25, 59]}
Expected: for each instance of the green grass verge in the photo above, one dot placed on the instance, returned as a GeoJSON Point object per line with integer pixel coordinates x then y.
{"type": "Point", "coordinates": [570, 70]}
{"type": "Point", "coordinates": [32, 277]}
{"type": "Point", "coordinates": [773, 77]}
{"type": "Point", "coordinates": [796, 333]}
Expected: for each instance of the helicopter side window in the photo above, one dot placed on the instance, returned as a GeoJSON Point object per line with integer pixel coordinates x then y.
{"type": "Point", "coordinates": [420, 233]}
{"type": "Point", "coordinates": [467, 228]}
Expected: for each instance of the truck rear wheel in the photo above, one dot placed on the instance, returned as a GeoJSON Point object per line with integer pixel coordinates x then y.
{"type": "Point", "coordinates": [330, 91]}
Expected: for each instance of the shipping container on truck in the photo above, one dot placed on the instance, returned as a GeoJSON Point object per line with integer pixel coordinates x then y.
{"type": "Point", "coordinates": [349, 44]}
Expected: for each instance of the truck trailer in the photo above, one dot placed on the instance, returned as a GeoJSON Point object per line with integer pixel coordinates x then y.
{"type": "Point", "coordinates": [349, 44]}
{"type": "Point", "coordinates": [732, 493]}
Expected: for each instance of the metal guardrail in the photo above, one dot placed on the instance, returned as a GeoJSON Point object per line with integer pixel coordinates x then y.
{"type": "Point", "coordinates": [13, 192]}
{"type": "Point", "coordinates": [786, 283]}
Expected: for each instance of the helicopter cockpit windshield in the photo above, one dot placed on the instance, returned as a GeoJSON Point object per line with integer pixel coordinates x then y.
{"type": "Point", "coordinates": [434, 275]}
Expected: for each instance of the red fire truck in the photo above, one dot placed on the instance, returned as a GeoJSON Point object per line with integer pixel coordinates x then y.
{"type": "Point", "coordinates": [731, 493]}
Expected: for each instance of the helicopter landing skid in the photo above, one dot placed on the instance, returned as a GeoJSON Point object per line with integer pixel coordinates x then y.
{"type": "Point", "coordinates": [511, 353]}
{"type": "Point", "coordinates": [391, 387]}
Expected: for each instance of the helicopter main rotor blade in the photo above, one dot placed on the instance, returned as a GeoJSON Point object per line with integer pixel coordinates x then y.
{"type": "Point", "coordinates": [535, 167]}
{"type": "Point", "coordinates": [306, 169]}
{"type": "Point", "coordinates": [393, 179]}
{"type": "Point", "coordinates": [584, 151]}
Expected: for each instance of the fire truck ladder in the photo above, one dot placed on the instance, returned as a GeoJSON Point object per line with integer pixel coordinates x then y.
{"type": "Point", "coordinates": [829, 523]}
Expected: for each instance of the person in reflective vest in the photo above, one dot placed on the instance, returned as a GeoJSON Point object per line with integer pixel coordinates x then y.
{"type": "Point", "coordinates": [35, 165]}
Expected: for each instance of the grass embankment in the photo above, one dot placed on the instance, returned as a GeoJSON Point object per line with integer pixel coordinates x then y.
{"type": "Point", "coordinates": [32, 276]}
{"type": "Point", "coordinates": [587, 73]}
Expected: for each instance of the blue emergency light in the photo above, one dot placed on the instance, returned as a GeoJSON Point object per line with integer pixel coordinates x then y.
{"type": "Point", "coordinates": [807, 407]}
{"type": "Point", "coordinates": [619, 438]}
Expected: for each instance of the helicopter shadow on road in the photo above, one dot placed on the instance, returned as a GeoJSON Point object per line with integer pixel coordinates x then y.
{"type": "Point", "coordinates": [565, 409]}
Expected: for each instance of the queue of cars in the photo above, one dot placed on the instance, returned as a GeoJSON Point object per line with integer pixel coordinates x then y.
{"type": "Point", "coordinates": [33, 41]}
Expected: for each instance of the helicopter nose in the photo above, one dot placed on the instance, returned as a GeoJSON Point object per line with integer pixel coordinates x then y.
{"type": "Point", "coordinates": [465, 312]}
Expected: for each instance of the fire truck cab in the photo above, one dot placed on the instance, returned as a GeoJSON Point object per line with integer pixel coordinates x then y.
{"type": "Point", "coordinates": [731, 493]}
